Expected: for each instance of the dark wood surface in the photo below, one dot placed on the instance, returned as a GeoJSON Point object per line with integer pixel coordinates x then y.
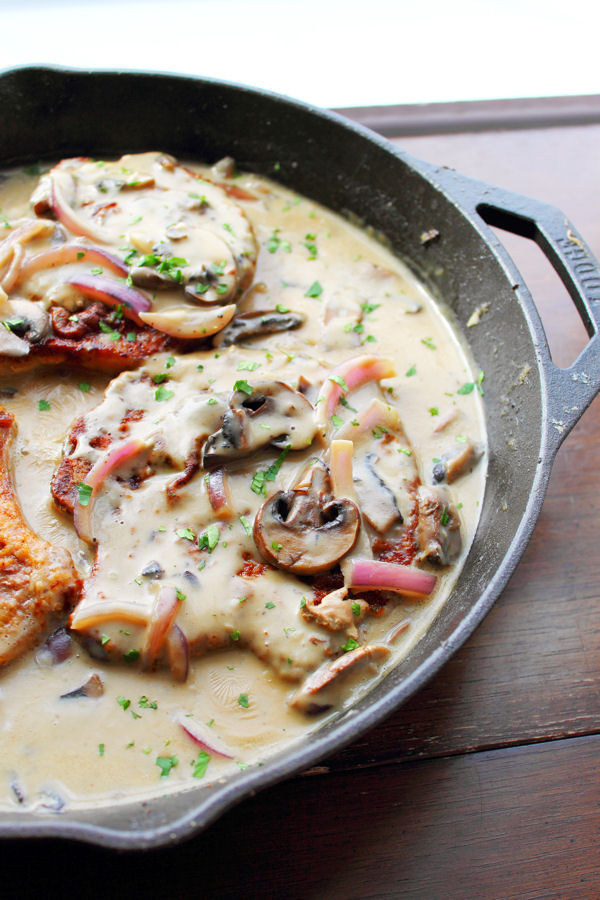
{"type": "Point", "coordinates": [487, 783]}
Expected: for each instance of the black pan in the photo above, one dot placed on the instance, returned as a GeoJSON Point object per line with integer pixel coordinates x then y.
{"type": "Point", "coordinates": [531, 405]}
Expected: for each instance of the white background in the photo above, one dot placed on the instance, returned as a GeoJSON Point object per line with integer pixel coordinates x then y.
{"type": "Point", "coordinates": [329, 52]}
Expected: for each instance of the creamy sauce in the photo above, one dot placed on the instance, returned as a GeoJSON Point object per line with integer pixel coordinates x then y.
{"type": "Point", "coordinates": [358, 299]}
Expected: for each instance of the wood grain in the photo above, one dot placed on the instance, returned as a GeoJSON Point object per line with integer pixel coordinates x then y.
{"type": "Point", "coordinates": [508, 823]}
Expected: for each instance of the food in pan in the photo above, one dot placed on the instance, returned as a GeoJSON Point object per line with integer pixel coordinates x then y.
{"type": "Point", "coordinates": [247, 470]}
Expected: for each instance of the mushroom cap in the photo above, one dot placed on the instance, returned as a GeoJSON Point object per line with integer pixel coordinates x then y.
{"type": "Point", "coordinates": [258, 322]}
{"type": "Point", "coordinates": [287, 412]}
{"type": "Point", "coordinates": [306, 531]}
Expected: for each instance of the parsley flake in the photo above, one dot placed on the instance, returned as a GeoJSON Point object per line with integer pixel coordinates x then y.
{"type": "Point", "coordinates": [209, 539]}
{"type": "Point", "coordinates": [84, 492]}
{"type": "Point", "coordinates": [315, 290]}
{"type": "Point", "coordinates": [201, 764]}
{"type": "Point", "coordinates": [243, 701]}
{"type": "Point", "coordinates": [165, 764]}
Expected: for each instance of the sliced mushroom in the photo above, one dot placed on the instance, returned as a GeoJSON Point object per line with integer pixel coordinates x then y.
{"type": "Point", "coordinates": [313, 697]}
{"type": "Point", "coordinates": [10, 344]}
{"type": "Point", "coordinates": [377, 502]}
{"type": "Point", "coordinates": [28, 320]}
{"type": "Point", "coordinates": [336, 612]}
{"type": "Point", "coordinates": [438, 527]}
{"type": "Point", "coordinates": [258, 322]}
{"type": "Point", "coordinates": [273, 414]}
{"type": "Point", "coordinates": [305, 530]}
{"type": "Point", "coordinates": [93, 687]}
{"type": "Point", "coordinates": [459, 461]}
{"type": "Point", "coordinates": [187, 323]}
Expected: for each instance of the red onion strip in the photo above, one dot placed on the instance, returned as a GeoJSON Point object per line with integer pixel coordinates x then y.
{"type": "Point", "coordinates": [218, 494]}
{"type": "Point", "coordinates": [90, 615]}
{"type": "Point", "coordinates": [113, 293]}
{"type": "Point", "coordinates": [372, 575]}
{"type": "Point", "coordinates": [340, 467]}
{"type": "Point", "coordinates": [353, 373]}
{"type": "Point", "coordinates": [65, 213]}
{"type": "Point", "coordinates": [72, 253]}
{"type": "Point", "coordinates": [164, 610]}
{"type": "Point", "coordinates": [100, 471]}
{"type": "Point", "coordinates": [202, 735]}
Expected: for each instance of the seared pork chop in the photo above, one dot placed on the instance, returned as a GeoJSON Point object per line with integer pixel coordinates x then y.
{"type": "Point", "coordinates": [37, 580]}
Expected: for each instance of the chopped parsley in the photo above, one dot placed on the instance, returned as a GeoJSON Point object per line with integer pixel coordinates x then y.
{"type": "Point", "coordinates": [243, 701]}
{"type": "Point", "coordinates": [270, 474]}
{"type": "Point", "coordinates": [336, 421]}
{"type": "Point", "coordinates": [246, 525]}
{"type": "Point", "coordinates": [43, 405]}
{"type": "Point", "coordinates": [209, 539]}
{"type": "Point", "coordinates": [131, 655]}
{"type": "Point", "coordinates": [201, 764]}
{"type": "Point", "coordinates": [84, 492]}
{"type": "Point", "coordinates": [165, 764]}
{"type": "Point", "coordinates": [282, 309]}
{"type": "Point", "coordinates": [161, 393]}
{"type": "Point", "coordinates": [412, 371]}
{"type": "Point", "coordinates": [276, 546]}
{"type": "Point", "coordinates": [123, 703]}
{"type": "Point", "coordinates": [185, 533]}
{"type": "Point", "coordinates": [247, 366]}
{"type": "Point", "coordinates": [315, 290]}
{"type": "Point", "coordinates": [356, 609]}
{"type": "Point", "coordinates": [106, 329]}
{"type": "Point", "coordinates": [147, 704]}
{"type": "Point", "coordinates": [84, 386]}
{"type": "Point", "coordinates": [337, 379]}
{"type": "Point", "coordinates": [445, 516]}
{"type": "Point", "coordinates": [100, 749]}
{"type": "Point", "coordinates": [428, 342]}
{"type": "Point", "coordinates": [96, 270]}
{"type": "Point", "coordinates": [369, 307]}
{"type": "Point", "coordinates": [269, 605]}
{"type": "Point", "coordinates": [434, 411]}
{"type": "Point", "coordinates": [180, 595]}
{"type": "Point", "coordinates": [242, 385]}
{"type": "Point", "coordinates": [170, 362]}
{"type": "Point", "coordinates": [466, 388]}
{"type": "Point", "coordinates": [350, 644]}
{"type": "Point", "coordinates": [235, 635]}
{"type": "Point", "coordinates": [405, 450]}
{"type": "Point", "coordinates": [159, 378]}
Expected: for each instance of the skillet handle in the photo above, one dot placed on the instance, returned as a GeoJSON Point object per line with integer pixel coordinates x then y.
{"type": "Point", "coordinates": [569, 391]}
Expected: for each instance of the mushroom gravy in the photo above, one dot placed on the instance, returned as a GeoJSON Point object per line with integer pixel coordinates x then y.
{"type": "Point", "coordinates": [252, 619]}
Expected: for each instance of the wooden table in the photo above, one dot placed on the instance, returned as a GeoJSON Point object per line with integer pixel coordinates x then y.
{"type": "Point", "coordinates": [487, 783]}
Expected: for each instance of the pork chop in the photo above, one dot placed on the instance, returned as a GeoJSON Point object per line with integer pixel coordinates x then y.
{"type": "Point", "coordinates": [37, 580]}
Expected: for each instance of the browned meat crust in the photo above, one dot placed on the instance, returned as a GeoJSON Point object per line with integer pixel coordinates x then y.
{"type": "Point", "coordinates": [37, 580]}
{"type": "Point", "coordinates": [86, 344]}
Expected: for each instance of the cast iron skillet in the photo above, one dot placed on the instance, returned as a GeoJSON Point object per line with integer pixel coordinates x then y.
{"type": "Point", "coordinates": [531, 405]}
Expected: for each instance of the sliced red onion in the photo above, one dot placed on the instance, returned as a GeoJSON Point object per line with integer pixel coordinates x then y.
{"type": "Point", "coordinates": [113, 293]}
{"type": "Point", "coordinates": [178, 653]}
{"type": "Point", "coordinates": [373, 575]}
{"type": "Point", "coordinates": [203, 736]}
{"type": "Point", "coordinates": [218, 494]}
{"type": "Point", "coordinates": [340, 467]}
{"type": "Point", "coordinates": [396, 631]}
{"type": "Point", "coordinates": [100, 471]}
{"type": "Point", "coordinates": [72, 253]}
{"type": "Point", "coordinates": [65, 213]}
{"type": "Point", "coordinates": [90, 615]}
{"type": "Point", "coordinates": [57, 647]}
{"type": "Point", "coordinates": [164, 610]}
{"type": "Point", "coordinates": [352, 373]}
